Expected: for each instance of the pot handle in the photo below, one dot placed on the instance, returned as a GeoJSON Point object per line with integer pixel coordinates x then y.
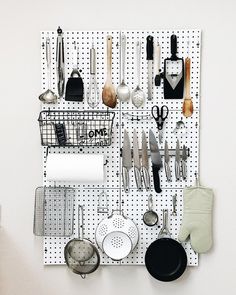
{"type": "Point", "coordinates": [164, 232]}
{"type": "Point", "coordinates": [150, 203]}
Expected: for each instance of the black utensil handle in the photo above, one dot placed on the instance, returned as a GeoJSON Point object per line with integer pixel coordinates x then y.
{"type": "Point", "coordinates": [156, 178]}
{"type": "Point", "coordinates": [173, 45]}
{"type": "Point", "coordinates": [149, 47]}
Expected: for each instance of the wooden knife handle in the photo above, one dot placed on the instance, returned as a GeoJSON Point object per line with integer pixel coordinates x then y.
{"type": "Point", "coordinates": [156, 179]}
{"type": "Point", "coordinates": [187, 77]}
{"type": "Point", "coordinates": [109, 55]}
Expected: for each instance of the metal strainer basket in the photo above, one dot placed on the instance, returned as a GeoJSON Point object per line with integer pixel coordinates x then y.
{"type": "Point", "coordinates": [80, 254]}
{"type": "Point", "coordinates": [53, 211]}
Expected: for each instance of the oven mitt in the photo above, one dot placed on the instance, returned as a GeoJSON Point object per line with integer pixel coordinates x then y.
{"type": "Point", "coordinates": [197, 218]}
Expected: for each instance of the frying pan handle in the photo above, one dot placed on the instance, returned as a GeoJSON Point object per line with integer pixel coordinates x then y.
{"type": "Point", "coordinates": [173, 46]}
{"type": "Point", "coordinates": [164, 230]}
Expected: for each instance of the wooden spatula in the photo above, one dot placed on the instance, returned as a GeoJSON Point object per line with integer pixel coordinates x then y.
{"type": "Point", "coordinates": [187, 109]}
{"type": "Point", "coordinates": [109, 93]}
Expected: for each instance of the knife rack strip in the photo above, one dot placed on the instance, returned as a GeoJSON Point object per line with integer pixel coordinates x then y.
{"type": "Point", "coordinates": [134, 203]}
{"type": "Point", "coordinates": [162, 152]}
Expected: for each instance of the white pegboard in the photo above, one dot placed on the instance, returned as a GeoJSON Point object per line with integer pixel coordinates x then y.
{"type": "Point", "coordinates": [135, 203]}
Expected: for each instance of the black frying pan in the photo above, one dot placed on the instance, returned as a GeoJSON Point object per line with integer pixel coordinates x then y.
{"type": "Point", "coordinates": [165, 259]}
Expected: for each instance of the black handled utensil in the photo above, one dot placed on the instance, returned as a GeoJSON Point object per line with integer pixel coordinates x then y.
{"type": "Point", "coordinates": [60, 131]}
{"type": "Point", "coordinates": [173, 73]}
{"type": "Point", "coordinates": [75, 85]}
{"type": "Point", "coordinates": [160, 115]}
{"type": "Point", "coordinates": [149, 50]}
{"type": "Point", "coordinates": [156, 161]}
{"type": "Point", "coordinates": [157, 61]}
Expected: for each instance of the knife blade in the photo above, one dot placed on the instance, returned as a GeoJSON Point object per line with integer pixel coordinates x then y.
{"type": "Point", "coordinates": [126, 161]}
{"type": "Point", "coordinates": [177, 161]}
{"type": "Point", "coordinates": [149, 50]}
{"type": "Point", "coordinates": [156, 161]}
{"type": "Point", "coordinates": [137, 164]}
{"type": "Point", "coordinates": [184, 163]}
{"type": "Point", "coordinates": [145, 164]}
{"type": "Point", "coordinates": [167, 162]}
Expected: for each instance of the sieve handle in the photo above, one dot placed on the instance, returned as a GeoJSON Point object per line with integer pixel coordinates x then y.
{"type": "Point", "coordinates": [80, 222]}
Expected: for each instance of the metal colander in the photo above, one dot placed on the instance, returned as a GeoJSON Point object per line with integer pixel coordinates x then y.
{"type": "Point", "coordinates": [117, 245]}
{"type": "Point", "coordinates": [116, 222]}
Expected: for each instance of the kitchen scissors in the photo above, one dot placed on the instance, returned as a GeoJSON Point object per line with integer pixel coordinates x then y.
{"type": "Point", "coordinates": [160, 115]}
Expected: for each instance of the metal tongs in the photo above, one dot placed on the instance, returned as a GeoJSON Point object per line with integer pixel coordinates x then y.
{"type": "Point", "coordinates": [60, 61]}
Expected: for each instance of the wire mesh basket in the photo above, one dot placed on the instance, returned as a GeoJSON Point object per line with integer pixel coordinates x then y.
{"type": "Point", "coordinates": [54, 211]}
{"type": "Point", "coordinates": [76, 128]}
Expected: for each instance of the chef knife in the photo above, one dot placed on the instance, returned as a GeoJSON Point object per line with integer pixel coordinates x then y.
{"type": "Point", "coordinates": [60, 62]}
{"type": "Point", "coordinates": [149, 50]}
{"type": "Point", "coordinates": [145, 164]}
{"type": "Point", "coordinates": [126, 161]}
{"type": "Point", "coordinates": [156, 161]}
{"type": "Point", "coordinates": [137, 164]}
{"type": "Point", "coordinates": [167, 162]}
{"type": "Point", "coordinates": [177, 161]}
{"type": "Point", "coordinates": [184, 163]}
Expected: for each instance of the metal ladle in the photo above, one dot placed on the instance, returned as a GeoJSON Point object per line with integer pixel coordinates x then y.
{"type": "Point", "coordinates": [123, 92]}
{"type": "Point", "coordinates": [48, 96]}
{"type": "Point", "coordinates": [138, 95]}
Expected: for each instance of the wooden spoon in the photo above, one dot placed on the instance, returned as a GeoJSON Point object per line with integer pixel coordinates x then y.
{"type": "Point", "coordinates": [187, 109]}
{"type": "Point", "coordinates": [109, 93]}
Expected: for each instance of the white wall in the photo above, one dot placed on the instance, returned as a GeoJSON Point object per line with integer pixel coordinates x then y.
{"type": "Point", "coordinates": [21, 269]}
